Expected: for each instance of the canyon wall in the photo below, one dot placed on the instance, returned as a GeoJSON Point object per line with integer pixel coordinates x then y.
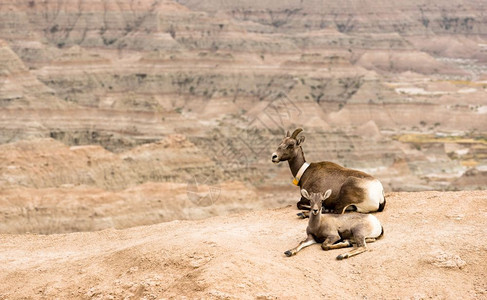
{"type": "Point", "coordinates": [187, 98]}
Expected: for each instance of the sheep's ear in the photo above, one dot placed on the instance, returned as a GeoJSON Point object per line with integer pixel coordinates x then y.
{"type": "Point", "coordinates": [326, 195]}
{"type": "Point", "coordinates": [305, 194]}
{"type": "Point", "coordinates": [300, 140]}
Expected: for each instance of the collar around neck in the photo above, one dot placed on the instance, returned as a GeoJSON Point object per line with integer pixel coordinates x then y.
{"type": "Point", "coordinates": [300, 173]}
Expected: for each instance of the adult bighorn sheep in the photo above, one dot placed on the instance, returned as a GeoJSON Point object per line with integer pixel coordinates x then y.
{"type": "Point", "coordinates": [337, 231]}
{"type": "Point", "coordinates": [351, 189]}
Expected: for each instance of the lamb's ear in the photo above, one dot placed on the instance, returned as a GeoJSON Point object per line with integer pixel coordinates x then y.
{"type": "Point", "coordinates": [300, 140]}
{"type": "Point", "coordinates": [305, 194]}
{"type": "Point", "coordinates": [326, 195]}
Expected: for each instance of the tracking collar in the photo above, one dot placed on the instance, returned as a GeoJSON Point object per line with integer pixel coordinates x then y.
{"type": "Point", "coordinates": [300, 173]}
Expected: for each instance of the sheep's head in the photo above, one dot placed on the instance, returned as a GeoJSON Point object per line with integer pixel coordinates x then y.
{"type": "Point", "coordinates": [289, 146]}
{"type": "Point", "coordinates": [315, 200]}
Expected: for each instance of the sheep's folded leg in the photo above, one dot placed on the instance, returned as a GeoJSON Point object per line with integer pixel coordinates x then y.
{"type": "Point", "coordinates": [303, 214]}
{"type": "Point", "coordinates": [342, 244]}
{"type": "Point", "coordinates": [351, 253]}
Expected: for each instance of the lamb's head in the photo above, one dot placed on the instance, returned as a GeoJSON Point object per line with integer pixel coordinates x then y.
{"type": "Point", "coordinates": [289, 146]}
{"type": "Point", "coordinates": [316, 200]}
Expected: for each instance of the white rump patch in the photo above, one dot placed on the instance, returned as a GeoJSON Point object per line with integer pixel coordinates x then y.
{"type": "Point", "coordinates": [374, 196]}
{"type": "Point", "coordinates": [377, 227]}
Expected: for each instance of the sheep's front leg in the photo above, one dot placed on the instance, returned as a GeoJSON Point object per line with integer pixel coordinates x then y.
{"type": "Point", "coordinates": [367, 240]}
{"type": "Point", "coordinates": [303, 204]}
{"type": "Point", "coordinates": [351, 253]}
{"type": "Point", "coordinates": [331, 243]}
{"type": "Point", "coordinates": [303, 214]}
{"type": "Point", "coordinates": [303, 244]}
{"type": "Point", "coordinates": [361, 247]}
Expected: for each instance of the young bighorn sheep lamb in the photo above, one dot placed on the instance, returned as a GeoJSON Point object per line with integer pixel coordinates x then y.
{"type": "Point", "coordinates": [337, 231]}
{"type": "Point", "coordinates": [351, 189]}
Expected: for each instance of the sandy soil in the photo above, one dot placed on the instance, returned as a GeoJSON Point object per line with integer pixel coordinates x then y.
{"type": "Point", "coordinates": [433, 248]}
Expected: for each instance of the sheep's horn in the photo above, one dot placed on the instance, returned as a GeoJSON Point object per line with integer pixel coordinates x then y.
{"type": "Point", "coordinates": [296, 132]}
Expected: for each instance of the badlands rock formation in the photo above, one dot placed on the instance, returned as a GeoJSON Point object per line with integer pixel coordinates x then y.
{"type": "Point", "coordinates": [101, 98]}
{"type": "Point", "coordinates": [118, 115]}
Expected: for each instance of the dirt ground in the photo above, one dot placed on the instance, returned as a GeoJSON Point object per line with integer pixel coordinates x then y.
{"type": "Point", "coordinates": [433, 248]}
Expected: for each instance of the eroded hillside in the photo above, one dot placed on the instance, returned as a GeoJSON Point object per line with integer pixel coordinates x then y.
{"type": "Point", "coordinates": [186, 98]}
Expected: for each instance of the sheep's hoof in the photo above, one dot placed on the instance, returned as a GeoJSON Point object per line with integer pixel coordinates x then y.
{"type": "Point", "coordinates": [288, 253]}
{"type": "Point", "coordinates": [301, 215]}
{"type": "Point", "coordinates": [325, 247]}
{"type": "Point", "coordinates": [342, 256]}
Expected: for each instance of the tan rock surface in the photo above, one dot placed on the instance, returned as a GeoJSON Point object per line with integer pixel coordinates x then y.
{"type": "Point", "coordinates": [432, 248]}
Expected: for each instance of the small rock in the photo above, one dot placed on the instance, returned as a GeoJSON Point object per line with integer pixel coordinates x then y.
{"type": "Point", "coordinates": [445, 260]}
{"type": "Point", "coordinates": [265, 297]}
{"type": "Point", "coordinates": [455, 216]}
{"type": "Point", "coordinates": [418, 297]}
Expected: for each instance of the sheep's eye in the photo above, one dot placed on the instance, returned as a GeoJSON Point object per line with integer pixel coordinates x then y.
{"type": "Point", "coordinates": [289, 146]}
